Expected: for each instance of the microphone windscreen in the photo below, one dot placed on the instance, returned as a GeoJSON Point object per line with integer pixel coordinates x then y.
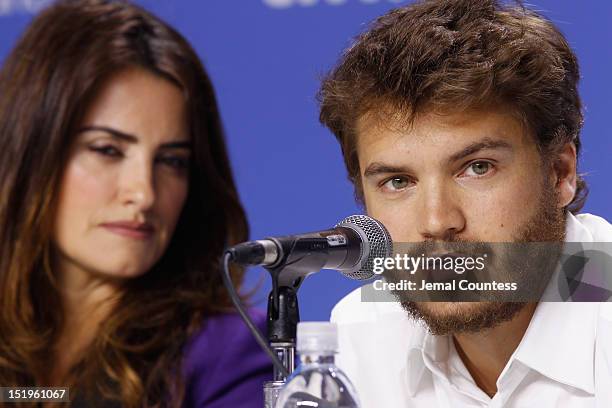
{"type": "Point", "coordinates": [376, 243]}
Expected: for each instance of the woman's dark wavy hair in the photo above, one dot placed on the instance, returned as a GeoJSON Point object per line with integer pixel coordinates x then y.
{"type": "Point", "coordinates": [454, 55]}
{"type": "Point", "coordinates": [46, 84]}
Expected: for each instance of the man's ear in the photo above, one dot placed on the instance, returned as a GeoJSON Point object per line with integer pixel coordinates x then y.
{"type": "Point", "coordinates": [564, 168]}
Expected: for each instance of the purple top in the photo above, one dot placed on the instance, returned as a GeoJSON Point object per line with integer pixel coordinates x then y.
{"type": "Point", "coordinates": [224, 366]}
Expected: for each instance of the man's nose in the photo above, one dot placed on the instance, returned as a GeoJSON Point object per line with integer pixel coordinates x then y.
{"type": "Point", "coordinates": [440, 213]}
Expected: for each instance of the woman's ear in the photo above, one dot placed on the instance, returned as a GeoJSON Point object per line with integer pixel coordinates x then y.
{"type": "Point", "coordinates": [565, 172]}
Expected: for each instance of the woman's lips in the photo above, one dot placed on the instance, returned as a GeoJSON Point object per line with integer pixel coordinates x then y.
{"type": "Point", "coordinates": [130, 229]}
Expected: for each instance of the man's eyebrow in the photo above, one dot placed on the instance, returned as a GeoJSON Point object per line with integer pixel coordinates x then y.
{"type": "Point", "coordinates": [486, 143]}
{"type": "Point", "coordinates": [377, 168]}
{"type": "Point", "coordinates": [117, 134]}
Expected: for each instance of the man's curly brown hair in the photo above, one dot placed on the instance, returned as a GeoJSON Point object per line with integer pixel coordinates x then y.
{"type": "Point", "coordinates": [452, 56]}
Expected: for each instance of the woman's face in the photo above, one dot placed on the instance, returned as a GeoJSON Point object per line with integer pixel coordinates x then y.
{"type": "Point", "coordinates": [126, 179]}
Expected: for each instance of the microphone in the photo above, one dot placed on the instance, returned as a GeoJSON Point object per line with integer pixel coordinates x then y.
{"type": "Point", "coordinates": [350, 247]}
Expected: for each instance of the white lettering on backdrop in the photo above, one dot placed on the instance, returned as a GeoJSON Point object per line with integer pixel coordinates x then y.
{"type": "Point", "coordinates": [282, 4]}
{"type": "Point", "coordinates": [8, 7]}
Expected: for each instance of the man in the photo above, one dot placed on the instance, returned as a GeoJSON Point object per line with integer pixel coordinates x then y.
{"type": "Point", "coordinates": [459, 121]}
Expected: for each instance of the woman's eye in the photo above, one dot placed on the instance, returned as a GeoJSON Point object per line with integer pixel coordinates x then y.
{"type": "Point", "coordinates": [479, 168]}
{"type": "Point", "coordinates": [178, 163]}
{"type": "Point", "coordinates": [109, 151]}
{"type": "Point", "coordinates": [396, 184]}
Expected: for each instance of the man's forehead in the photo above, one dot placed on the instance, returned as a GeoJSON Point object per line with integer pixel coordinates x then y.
{"type": "Point", "coordinates": [448, 130]}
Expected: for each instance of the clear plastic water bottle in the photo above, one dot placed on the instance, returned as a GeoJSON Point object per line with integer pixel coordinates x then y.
{"type": "Point", "coordinates": [317, 382]}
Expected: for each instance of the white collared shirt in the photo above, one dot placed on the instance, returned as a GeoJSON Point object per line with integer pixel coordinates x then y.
{"type": "Point", "coordinates": [563, 360]}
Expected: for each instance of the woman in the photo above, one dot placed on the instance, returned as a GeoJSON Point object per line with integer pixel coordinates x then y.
{"type": "Point", "coordinates": [117, 202]}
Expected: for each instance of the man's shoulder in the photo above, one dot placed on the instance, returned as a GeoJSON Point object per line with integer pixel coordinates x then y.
{"type": "Point", "coordinates": [352, 309]}
{"type": "Point", "coordinates": [349, 308]}
{"type": "Point", "coordinates": [605, 314]}
{"type": "Point", "coordinates": [598, 227]}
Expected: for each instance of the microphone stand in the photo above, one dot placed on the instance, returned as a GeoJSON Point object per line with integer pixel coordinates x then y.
{"type": "Point", "coordinates": [283, 312]}
{"type": "Point", "coordinates": [282, 325]}
{"type": "Point", "coordinates": [283, 317]}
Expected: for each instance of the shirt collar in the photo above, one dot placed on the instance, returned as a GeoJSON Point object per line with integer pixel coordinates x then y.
{"type": "Point", "coordinates": [425, 351]}
{"type": "Point", "coordinates": [560, 340]}
{"type": "Point", "coordinates": [415, 367]}
{"type": "Point", "coordinates": [560, 343]}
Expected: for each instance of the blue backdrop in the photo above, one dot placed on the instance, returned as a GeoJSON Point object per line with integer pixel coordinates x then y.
{"type": "Point", "coordinates": [266, 57]}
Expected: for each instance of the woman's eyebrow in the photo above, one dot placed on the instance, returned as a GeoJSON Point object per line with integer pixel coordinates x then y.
{"type": "Point", "coordinates": [117, 134]}
{"type": "Point", "coordinates": [113, 132]}
{"type": "Point", "coordinates": [176, 145]}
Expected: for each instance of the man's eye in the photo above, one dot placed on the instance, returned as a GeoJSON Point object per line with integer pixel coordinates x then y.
{"type": "Point", "coordinates": [110, 151]}
{"type": "Point", "coordinates": [396, 184]}
{"type": "Point", "coordinates": [479, 168]}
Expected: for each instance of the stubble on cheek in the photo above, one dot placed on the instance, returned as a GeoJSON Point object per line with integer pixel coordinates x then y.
{"type": "Point", "coordinates": [546, 224]}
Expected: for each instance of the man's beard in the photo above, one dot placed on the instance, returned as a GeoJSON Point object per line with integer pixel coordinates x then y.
{"type": "Point", "coordinates": [546, 225]}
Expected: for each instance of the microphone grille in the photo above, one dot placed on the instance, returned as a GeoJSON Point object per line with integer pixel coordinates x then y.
{"type": "Point", "coordinates": [377, 243]}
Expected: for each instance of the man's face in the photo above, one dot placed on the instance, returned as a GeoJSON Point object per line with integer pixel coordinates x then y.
{"type": "Point", "coordinates": [475, 177]}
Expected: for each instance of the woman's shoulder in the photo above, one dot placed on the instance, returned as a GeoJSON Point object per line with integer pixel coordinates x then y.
{"type": "Point", "coordinates": [223, 365]}
{"type": "Point", "coordinates": [223, 332]}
